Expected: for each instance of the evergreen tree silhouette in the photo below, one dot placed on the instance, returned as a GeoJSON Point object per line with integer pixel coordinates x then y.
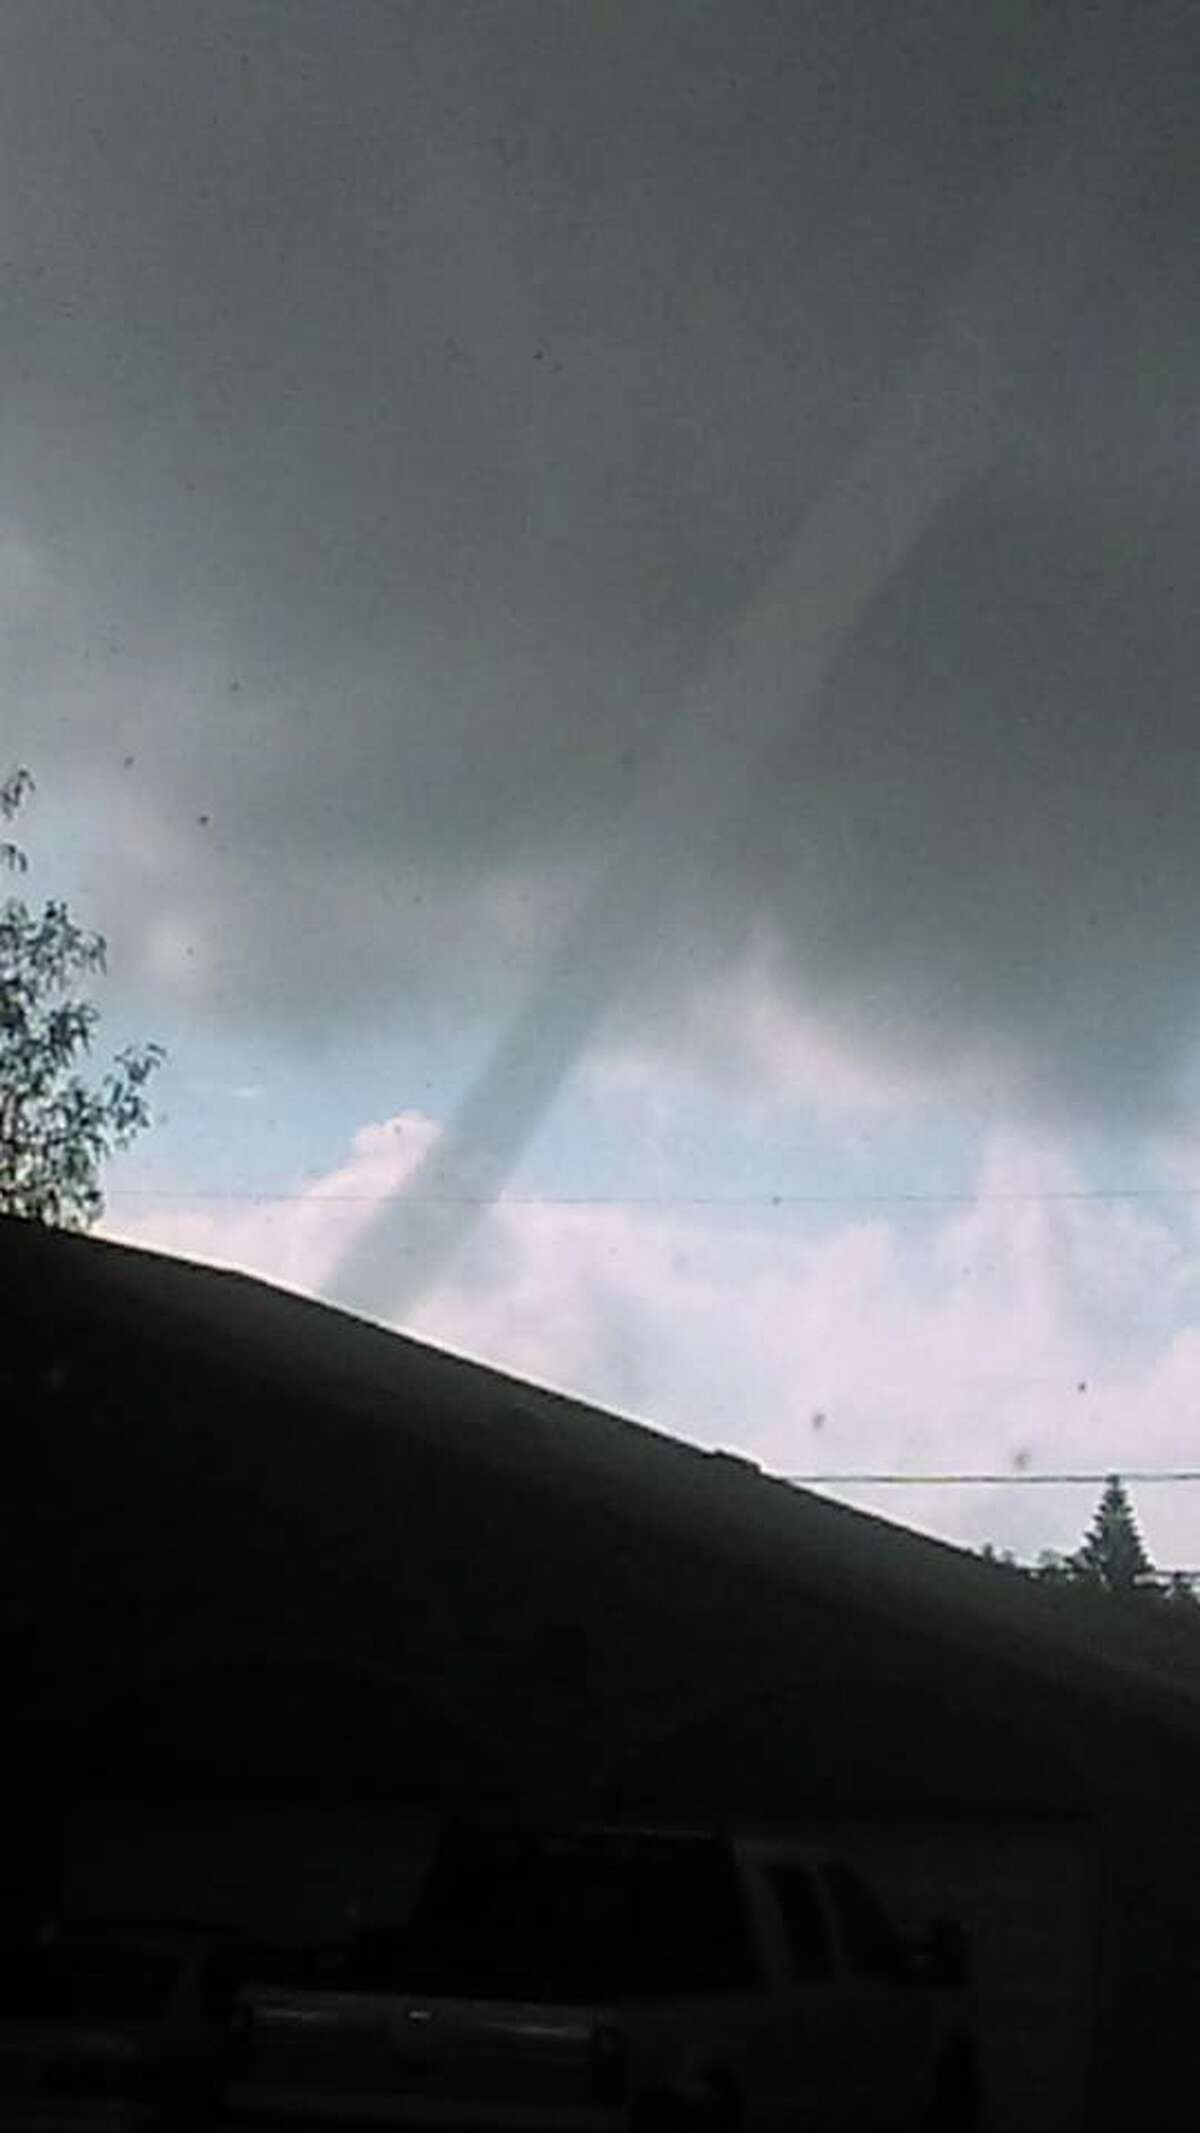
{"type": "Point", "coordinates": [1114, 1554]}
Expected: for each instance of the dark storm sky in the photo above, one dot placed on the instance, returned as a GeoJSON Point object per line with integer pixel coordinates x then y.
{"type": "Point", "coordinates": [402, 403]}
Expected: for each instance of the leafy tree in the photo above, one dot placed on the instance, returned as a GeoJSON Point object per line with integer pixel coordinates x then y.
{"type": "Point", "coordinates": [55, 1130]}
{"type": "Point", "coordinates": [1052, 1568]}
{"type": "Point", "coordinates": [1002, 1558]}
{"type": "Point", "coordinates": [1113, 1554]}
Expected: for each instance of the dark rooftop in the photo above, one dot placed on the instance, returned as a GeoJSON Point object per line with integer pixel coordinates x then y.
{"type": "Point", "coordinates": [336, 1393]}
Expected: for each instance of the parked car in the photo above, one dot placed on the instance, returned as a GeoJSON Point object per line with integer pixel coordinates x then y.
{"type": "Point", "coordinates": [119, 2026]}
{"type": "Point", "coordinates": [655, 1981]}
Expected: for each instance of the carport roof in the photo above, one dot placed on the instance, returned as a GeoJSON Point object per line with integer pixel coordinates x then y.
{"type": "Point", "coordinates": [71, 1297]}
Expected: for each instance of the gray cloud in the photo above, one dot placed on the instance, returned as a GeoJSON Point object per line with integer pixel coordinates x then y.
{"type": "Point", "coordinates": [403, 402]}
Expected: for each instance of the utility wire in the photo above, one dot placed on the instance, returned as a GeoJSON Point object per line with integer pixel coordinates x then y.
{"type": "Point", "coordinates": [668, 1200]}
{"type": "Point", "coordinates": [1143, 1477]}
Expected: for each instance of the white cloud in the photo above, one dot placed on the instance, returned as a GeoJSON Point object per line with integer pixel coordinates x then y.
{"type": "Point", "coordinates": [748, 1024]}
{"type": "Point", "coordinates": [850, 1062]}
{"type": "Point", "coordinates": [1017, 1330]}
{"type": "Point", "coordinates": [295, 1242]}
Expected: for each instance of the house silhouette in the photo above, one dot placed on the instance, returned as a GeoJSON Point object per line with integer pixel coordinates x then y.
{"type": "Point", "coordinates": [283, 1590]}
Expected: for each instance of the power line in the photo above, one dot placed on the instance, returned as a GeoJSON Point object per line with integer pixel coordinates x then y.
{"type": "Point", "coordinates": [1100, 1194]}
{"type": "Point", "coordinates": [1144, 1477]}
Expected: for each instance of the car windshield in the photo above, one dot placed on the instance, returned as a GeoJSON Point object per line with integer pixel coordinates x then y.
{"type": "Point", "coordinates": [572, 1922]}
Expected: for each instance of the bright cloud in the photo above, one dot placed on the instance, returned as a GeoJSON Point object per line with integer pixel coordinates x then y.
{"type": "Point", "coordinates": [1031, 1327]}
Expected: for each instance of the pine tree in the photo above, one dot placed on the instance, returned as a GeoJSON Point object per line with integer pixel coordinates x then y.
{"type": "Point", "coordinates": [1113, 1554]}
